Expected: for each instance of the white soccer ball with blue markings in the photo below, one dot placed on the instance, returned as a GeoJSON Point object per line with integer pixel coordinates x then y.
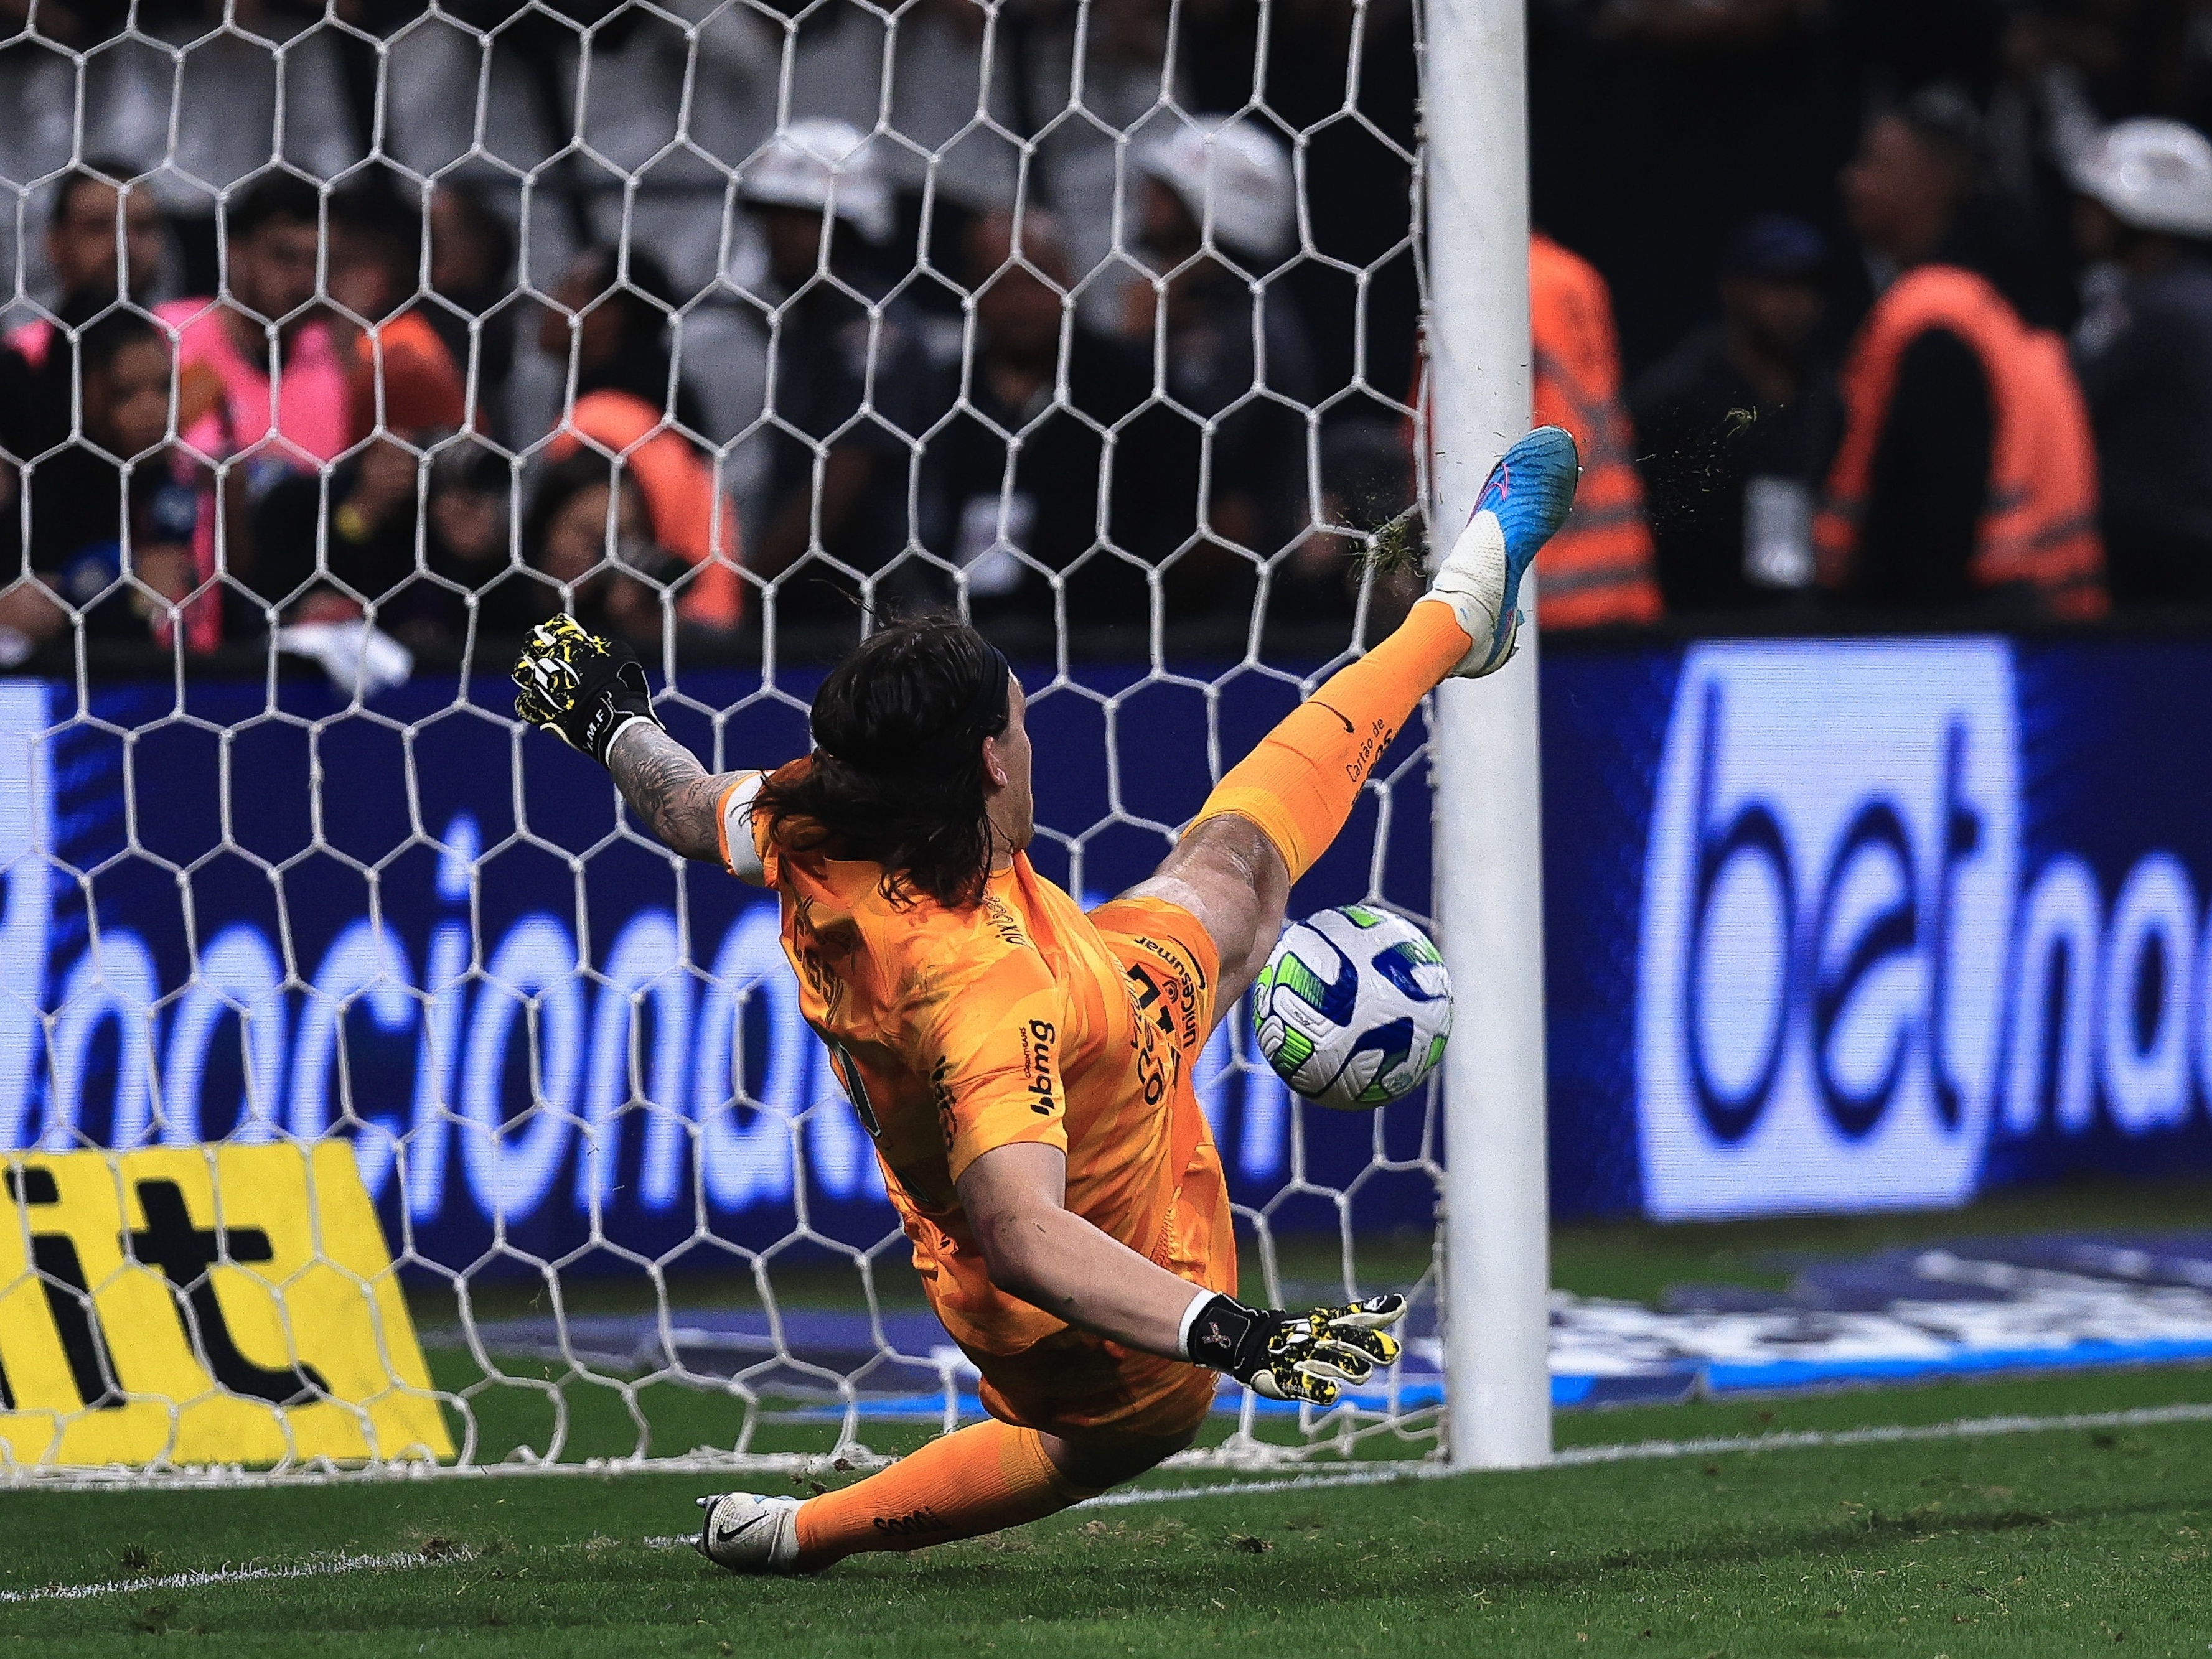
{"type": "Point", "coordinates": [1354, 1009]}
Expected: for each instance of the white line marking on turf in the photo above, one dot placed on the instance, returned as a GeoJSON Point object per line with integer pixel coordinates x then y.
{"type": "Point", "coordinates": [1380, 1474]}
{"type": "Point", "coordinates": [1579, 1457]}
{"type": "Point", "coordinates": [320, 1567]}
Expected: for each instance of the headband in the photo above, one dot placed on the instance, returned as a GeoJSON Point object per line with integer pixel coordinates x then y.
{"type": "Point", "coordinates": [988, 713]}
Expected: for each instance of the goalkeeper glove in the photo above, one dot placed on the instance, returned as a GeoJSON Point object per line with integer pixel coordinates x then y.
{"type": "Point", "coordinates": [580, 688]}
{"type": "Point", "coordinates": [1286, 1356]}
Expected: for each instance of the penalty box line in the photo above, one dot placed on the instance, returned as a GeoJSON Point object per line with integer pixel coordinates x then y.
{"type": "Point", "coordinates": [1972, 1428]}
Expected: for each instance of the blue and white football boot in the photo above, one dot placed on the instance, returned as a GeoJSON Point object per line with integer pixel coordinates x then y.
{"type": "Point", "coordinates": [747, 1533]}
{"type": "Point", "coordinates": [1523, 502]}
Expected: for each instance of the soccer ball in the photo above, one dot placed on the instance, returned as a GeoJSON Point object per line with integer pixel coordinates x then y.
{"type": "Point", "coordinates": [1354, 1009]}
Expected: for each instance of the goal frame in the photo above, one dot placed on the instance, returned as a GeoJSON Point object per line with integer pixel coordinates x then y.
{"type": "Point", "coordinates": [1489, 893]}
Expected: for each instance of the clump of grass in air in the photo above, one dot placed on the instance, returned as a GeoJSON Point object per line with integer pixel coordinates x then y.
{"type": "Point", "coordinates": [1399, 547]}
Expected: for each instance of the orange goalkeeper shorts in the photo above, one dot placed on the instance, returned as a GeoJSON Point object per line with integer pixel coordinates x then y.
{"type": "Point", "coordinates": [1080, 1386]}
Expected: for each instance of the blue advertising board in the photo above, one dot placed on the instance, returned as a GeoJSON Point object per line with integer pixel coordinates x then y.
{"type": "Point", "coordinates": [240, 915]}
{"type": "Point", "coordinates": [1840, 925]}
{"type": "Point", "coordinates": [1832, 924]}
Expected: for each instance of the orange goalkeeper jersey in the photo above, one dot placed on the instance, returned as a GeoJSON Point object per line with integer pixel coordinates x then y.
{"type": "Point", "coordinates": [955, 1032]}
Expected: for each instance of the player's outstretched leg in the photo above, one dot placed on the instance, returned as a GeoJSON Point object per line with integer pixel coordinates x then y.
{"type": "Point", "coordinates": [1299, 784]}
{"type": "Point", "coordinates": [1523, 502]}
{"type": "Point", "coordinates": [976, 1480]}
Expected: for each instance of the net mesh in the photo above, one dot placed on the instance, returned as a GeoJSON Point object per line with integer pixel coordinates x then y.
{"type": "Point", "coordinates": [728, 327]}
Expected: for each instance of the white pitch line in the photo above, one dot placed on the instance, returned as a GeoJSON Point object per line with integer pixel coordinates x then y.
{"type": "Point", "coordinates": [1967, 1428]}
{"type": "Point", "coordinates": [320, 1567]}
{"type": "Point", "coordinates": [1582, 1457]}
{"type": "Point", "coordinates": [1970, 1428]}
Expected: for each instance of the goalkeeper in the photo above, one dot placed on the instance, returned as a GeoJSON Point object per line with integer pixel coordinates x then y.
{"type": "Point", "coordinates": [1024, 1068]}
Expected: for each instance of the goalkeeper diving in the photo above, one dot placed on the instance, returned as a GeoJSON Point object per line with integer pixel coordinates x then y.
{"type": "Point", "coordinates": [1024, 1067]}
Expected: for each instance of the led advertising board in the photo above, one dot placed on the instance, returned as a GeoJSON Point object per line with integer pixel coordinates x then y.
{"type": "Point", "coordinates": [421, 929]}
{"type": "Point", "coordinates": [1832, 924]}
{"type": "Point", "coordinates": [1841, 925]}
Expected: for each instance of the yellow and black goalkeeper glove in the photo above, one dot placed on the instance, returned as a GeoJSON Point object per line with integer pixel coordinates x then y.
{"type": "Point", "coordinates": [1287, 1356]}
{"type": "Point", "coordinates": [580, 688]}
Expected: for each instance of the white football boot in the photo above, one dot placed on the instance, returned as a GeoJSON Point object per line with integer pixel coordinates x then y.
{"type": "Point", "coordinates": [747, 1533]}
{"type": "Point", "coordinates": [1523, 502]}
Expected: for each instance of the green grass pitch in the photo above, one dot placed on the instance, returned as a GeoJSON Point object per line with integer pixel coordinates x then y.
{"type": "Point", "coordinates": [2060, 1541]}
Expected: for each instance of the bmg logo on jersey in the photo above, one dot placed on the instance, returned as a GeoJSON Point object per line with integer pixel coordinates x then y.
{"type": "Point", "coordinates": [1829, 883]}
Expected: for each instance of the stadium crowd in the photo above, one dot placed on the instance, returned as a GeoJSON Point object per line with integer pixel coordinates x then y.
{"type": "Point", "coordinates": [1860, 310]}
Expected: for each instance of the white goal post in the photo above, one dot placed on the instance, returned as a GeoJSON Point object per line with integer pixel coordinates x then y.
{"type": "Point", "coordinates": [1490, 892]}
{"type": "Point", "coordinates": [375, 1095]}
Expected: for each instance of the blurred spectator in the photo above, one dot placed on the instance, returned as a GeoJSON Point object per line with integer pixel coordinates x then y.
{"type": "Point", "coordinates": [265, 317]}
{"type": "Point", "coordinates": [472, 271]}
{"type": "Point", "coordinates": [314, 569]}
{"type": "Point", "coordinates": [240, 89]}
{"type": "Point", "coordinates": [1355, 174]}
{"type": "Point", "coordinates": [112, 514]}
{"type": "Point", "coordinates": [610, 319]}
{"type": "Point", "coordinates": [400, 376]}
{"type": "Point", "coordinates": [1598, 569]}
{"type": "Point", "coordinates": [468, 551]}
{"type": "Point", "coordinates": [627, 392]}
{"type": "Point", "coordinates": [854, 389]}
{"type": "Point", "coordinates": [589, 540]}
{"type": "Point", "coordinates": [1967, 475]}
{"type": "Point", "coordinates": [1093, 77]}
{"type": "Point", "coordinates": [1216, 208]}
{"type": "Point", "coordinates": [83, 239]}
{"type": "Point", "coordinates": [845, 59]}
{"type": "Point", "coordinates": [331, 551]}
{"type": "Point", "coordinates": [1657, 127]}
{"type": "Point", "coordinates": [229, 407]}
{"type": "Point", "coordinates": [1735, 429]}
{"type": "Point", "coordinates": [1015, 512]}
{"type": "Point", "coordinates": [2144, 354]}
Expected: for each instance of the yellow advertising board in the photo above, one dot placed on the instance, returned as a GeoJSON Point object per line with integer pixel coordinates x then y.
{"type": "Point", "coordinates": [203, 1304]}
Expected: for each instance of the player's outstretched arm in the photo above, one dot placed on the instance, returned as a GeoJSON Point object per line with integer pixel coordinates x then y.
{"type": "Point", "coordinates": [1036, 1248]}
{"type": "Point", "coordinates": [665, 785]}
{"type": "Point", "coordinates": [590, 694]}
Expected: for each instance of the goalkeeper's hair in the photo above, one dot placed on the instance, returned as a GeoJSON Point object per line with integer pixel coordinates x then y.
{"type": "Point", "coordinates": [897, 774]}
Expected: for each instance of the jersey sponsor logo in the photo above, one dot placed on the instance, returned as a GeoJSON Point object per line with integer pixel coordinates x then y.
{"type": "Point", "coordinates": [1826, 919]}
{"type": "Point", "coordinates": [913, 1524]}
{"type": "Point", "coordinates": [134, 1307]}
{"type": "Point", "coordinates": [1000, 918]}
{"type": "Point", "coordinates": [1173, 1001]}
{"type": "Point", "coordinates": [1179, 962]}
{"type": "Point", "coordinates": [1039, 1050]}
{"type": "Point", "coordinates": [1371, 746]}
{"type": "Point", "coordinates": [1157, 1064]}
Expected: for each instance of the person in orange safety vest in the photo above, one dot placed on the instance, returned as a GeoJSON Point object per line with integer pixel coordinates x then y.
{"type": "Point", "coordinates": [1968, 473]}
{"type": "Point", "coordinates": [1600, 567]}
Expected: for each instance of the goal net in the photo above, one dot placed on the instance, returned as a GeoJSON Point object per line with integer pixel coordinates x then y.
{"type": "Point", "coordinates": [729, 326]}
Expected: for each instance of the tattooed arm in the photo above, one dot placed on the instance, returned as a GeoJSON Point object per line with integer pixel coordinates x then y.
{"type": "Point", "coordinates": [664, 785]}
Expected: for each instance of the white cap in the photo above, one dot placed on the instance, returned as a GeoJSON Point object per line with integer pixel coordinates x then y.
{"type": "Point", "coordinates": [1233, 176]}
{"type": "Point", "coordinates": [2152, 174]}
{"type": "Point", "coordinates": [821, 164]}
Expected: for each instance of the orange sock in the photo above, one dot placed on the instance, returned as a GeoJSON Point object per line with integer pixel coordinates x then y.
{"type": "Point", "coordinates": [1299, 784]}
{"type": "Point", "coordinates": [969, 1483]}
